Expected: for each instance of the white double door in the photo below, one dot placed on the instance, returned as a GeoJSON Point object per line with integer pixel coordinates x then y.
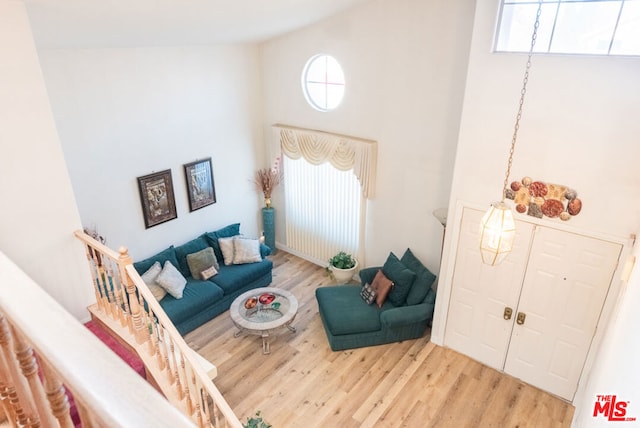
{"type": "Point", "coordinates": [534, 315]}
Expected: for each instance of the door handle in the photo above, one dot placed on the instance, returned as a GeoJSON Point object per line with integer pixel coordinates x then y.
{"type": "Point", "coordinates": [521, 318]}
{"type": "Point", "coordinates": [507, 313]}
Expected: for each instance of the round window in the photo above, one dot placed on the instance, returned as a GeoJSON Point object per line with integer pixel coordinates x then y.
{"type": "Point", "coordinates": [323, 82]}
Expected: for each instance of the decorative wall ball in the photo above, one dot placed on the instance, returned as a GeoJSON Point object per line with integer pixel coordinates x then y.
{"type": "Point", "coordinates": [570, 194]}
{"type": "Point", "coordinates": [552, 208]}
{"type": "Point", "coordinates": [538, 188]}
{"type": "Point", "coordinates": [564, 216]}
{"type": "Point", "coordinates": [521, 208]}
{"type": "Point", "coordinates": [515, 186]}
{"type": "Point", "coordinates": [526, 181]}
{"type": "Point", "coordinates": [574, 206]}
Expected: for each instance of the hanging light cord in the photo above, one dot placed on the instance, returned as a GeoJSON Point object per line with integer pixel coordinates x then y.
{"type": "Point", "coordinates": [534, 36]}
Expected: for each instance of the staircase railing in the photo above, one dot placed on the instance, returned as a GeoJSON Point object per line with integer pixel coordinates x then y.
{"type": "Point", "coordinates": [125, 305]}
{"type": "Point", "coordinates": [55, 373]}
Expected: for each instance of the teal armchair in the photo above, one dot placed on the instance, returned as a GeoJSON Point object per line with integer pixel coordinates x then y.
{"type": "Point", "coordinates": [350, 322]}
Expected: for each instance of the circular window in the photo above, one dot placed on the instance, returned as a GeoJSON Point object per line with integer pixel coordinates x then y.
{"type": "Point", "coordinates": [323, 82]}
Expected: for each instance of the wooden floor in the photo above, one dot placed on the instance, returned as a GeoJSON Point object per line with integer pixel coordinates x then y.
{"type": "Point", "coordinates": [415, 383]}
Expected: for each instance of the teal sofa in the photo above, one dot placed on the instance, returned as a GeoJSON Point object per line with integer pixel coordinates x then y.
{"type": "Point", "coordinates": [203, 300]}
{"type": "Point", "coordinates": [350, 322]}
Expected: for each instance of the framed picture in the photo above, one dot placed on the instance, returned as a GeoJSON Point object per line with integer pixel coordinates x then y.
{"type": "Point", "coordinates": [200, 186]}
{"type": "Point", "coordinates": [156, 196]}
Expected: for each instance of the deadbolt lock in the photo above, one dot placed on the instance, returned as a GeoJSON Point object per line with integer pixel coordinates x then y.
{"type": "Point", "coordinates": [521, 317]}
{"type": "Point", "coordinates": [507, 313]}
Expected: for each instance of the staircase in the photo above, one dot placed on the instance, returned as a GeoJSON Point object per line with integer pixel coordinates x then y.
{"type": "Point", "coordinates": [51, 365]}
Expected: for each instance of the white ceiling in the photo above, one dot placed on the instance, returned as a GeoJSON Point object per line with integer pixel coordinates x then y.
{"type": "Point", "coordinates": [131, 23]}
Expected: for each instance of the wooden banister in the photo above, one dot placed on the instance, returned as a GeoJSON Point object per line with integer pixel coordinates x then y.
{"type": "Point", "coordinates": [45, 352]}
{"type": "Point", "coordinates": [126, 306]}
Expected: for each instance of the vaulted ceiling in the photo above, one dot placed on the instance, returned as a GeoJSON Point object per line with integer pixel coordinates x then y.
{"type": "Point", "coordinates": [133, 23]}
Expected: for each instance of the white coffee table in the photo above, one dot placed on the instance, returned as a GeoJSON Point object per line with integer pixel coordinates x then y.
{"type": "Point", "coordinates": [262, 312]}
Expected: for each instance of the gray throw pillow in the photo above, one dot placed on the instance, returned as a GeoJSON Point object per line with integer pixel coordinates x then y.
{"type": "Point", "coordinates": [201, 261]}
{"type": "Point", "coordinates": [149, 278]}
{"type": "Point", "coordinates": [171, 280]}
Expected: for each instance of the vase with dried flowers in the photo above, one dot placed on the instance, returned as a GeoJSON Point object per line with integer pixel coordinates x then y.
{"type": "Point", "coordinates": [266, 179]}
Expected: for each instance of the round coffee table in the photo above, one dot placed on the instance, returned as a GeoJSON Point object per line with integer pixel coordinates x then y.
{"type": "Point", "coordinates": [264, 311]}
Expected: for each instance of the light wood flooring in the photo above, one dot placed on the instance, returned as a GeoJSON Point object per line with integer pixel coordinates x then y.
{"type": "Point", "coordinates": [415, 383]}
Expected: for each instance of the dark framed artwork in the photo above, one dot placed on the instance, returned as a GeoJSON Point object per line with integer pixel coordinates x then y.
{"type": "Point", "coordinates": [156, 196]}
{"type": "Point", "coordinates": [200, 187]}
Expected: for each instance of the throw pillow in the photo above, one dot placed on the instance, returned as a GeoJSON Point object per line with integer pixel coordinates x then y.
{"type": "Point", "coordinates": [402, 278]}
{"type": "Point", "coordinates": [200, 261]}
{"type": "Point", "coordinates": [246, 250]}
{"type": "Point", "coordinates": [382, 286]}
{"type": "Point", "coordinates": [368, 294]}
{"type": "Point", "coordinates": [149, 278]}
{"type": "Point", "coordinates": [171, 280]}
{"type": "Point", "coordinates": [225, 232]}
{"type": "Point", "coordinates": [264, 250]}
{"type": "Point", "coordinates": [226, 247]}
{"type": "Point", "coordinates": [424, 278]}
{"type": "Point", "coordinates": [182, 251]}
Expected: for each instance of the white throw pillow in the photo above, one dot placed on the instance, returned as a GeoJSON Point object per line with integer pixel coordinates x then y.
{"type": "Point", "coordinates": [226, 246]}
{"type": "Point", "coordinates": [149, 278]}
{"type": "Point", "coordinates": [171, 280]}
{"type": "Point", "coordinates": [246, 250]}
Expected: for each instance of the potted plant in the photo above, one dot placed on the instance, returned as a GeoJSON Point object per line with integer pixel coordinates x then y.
{"type": "Point", "coordinates": [342, 266]}
{"type": "Point", "coordinates": [256, 422]}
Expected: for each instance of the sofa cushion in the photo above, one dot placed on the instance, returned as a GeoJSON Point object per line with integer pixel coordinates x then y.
{"type": "Point", "coordinates": [226, 248]}
{"type": "Point", "coordinates": [246, 250]}
{"type": "Point", "coordinates": [233, 277]}
{"type": "Point", "coordinates": [344, 311]}
{"type": "Point", "coordinates": [149, 278]}
{"type": "Point", "coordinates": [171, 280]}
{"type": "Point", "coordinates": [197, 296]}
{"type": "Point", "coordinates": [182, 251]}
{"type": "Point", "coordinates": [402, 278]}
{"type": "Point", "coordinates": [225, 232]}
{"type": "Point", "coordinates": [201, 261]}
{"type": "Point", "coordinates": [169, 254]}
{"type": "Point", "coordinates": [424, 278]}
{"type": "Point", "coordinates": [382, 286]}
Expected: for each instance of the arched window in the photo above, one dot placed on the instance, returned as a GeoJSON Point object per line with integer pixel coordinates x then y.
{"type": "Point", "coordinates": [323, 82]}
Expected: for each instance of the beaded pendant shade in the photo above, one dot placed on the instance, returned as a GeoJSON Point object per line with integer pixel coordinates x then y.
{"type": "Point", "coordinates": [498, 228]}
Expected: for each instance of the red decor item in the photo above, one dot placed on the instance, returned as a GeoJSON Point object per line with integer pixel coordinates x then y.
{"type": "Point", "coordinates": [266, 298]}
{"type": "Point", "coordinates": [539, 199]}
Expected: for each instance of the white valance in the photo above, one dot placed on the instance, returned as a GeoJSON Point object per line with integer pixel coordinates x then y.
{"type": "Point", "coordinates": [342, 151]}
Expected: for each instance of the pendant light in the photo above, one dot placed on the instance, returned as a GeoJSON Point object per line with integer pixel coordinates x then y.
{"type": "Point", "coordinates": [498, 228]}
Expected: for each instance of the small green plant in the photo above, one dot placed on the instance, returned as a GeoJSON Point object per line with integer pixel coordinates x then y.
{"type": "Point", "coordinates": [256, 421]}
{"type": "Point", "coordinates": [341, 260]}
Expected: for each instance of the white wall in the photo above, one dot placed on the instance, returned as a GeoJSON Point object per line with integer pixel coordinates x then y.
{"type": "Point", "coordinates": [579, 128]}
{"type": "Point", "coordinates": [39, 213]}
{"type": "Point", "coordinates": [405, 64]}
{"type": "Point", "coordinates": [616, 370]}
{"type": "Point", "coordinates": [125, 113]}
